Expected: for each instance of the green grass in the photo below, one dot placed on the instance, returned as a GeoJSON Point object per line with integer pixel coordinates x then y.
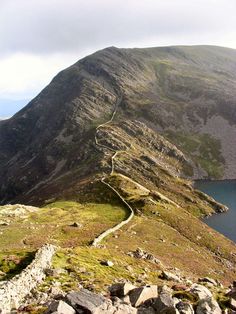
{"type": "Point", "coordinates": [83, 265]}
{"type": "Point", "coordinates": [53, 224]}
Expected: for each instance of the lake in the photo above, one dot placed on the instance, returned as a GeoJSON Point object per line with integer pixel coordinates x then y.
{"type": "Point", "coordinates": [224, 192]}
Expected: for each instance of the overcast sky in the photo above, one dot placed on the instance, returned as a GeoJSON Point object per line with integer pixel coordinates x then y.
{"type": "Point", "coordinates": [38, 38]}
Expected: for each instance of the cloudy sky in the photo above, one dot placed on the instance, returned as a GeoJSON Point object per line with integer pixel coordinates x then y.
{"type": "Point", "coordinates": [38, 38]}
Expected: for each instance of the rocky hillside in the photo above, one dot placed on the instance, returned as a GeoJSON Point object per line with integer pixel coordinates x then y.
{"type": "Point", "coordinates": [184, 93]}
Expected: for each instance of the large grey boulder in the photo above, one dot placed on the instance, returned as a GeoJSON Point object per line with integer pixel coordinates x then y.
{"type": "Point", "coordinates": [60, 307]}
{"type": "Point", "coordinates": [121, 289]}
{"type": "Point", "coordinates": [165, 303]}
{"type": "Point", "coordinates": [89, 302]}
{"type": "Point", "coordinates": [140, 295]}
{"type": "Point", "coordinates": [208, 306]}
{"type": "Point", "coordinates": [200, 291]}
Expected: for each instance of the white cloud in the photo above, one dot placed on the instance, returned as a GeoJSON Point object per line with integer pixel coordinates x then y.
{"type": "Point", "coordinates": [24, 75]}
{"type": "Point", "coordinates": [39, 38]}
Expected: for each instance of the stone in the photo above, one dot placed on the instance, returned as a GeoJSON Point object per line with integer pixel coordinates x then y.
{"type": "Point", "coordinates": [140, 295]}
{"type": "Point", "coordinates": [107, 263]}
{"type": "Point", "coordinates": [121, 289]}
{"type": "Point", "coordinates": [76, 225]}
{"type": "Point", "coordinates": [60, 307]}
{"type": "Point", "coordinates": [208, 280]}
{"type": "Point", "coordinates": [56, 292]}
{"type": "Point", "coordinates": [208, 306]}
{"type": "Point", "coordinates": [88, 301]}
{"type": "Point", "coordinates": [170, 276]}
{"type": "Point", "coordinates": [122, 308]}
{"type": "Point", "coordinates": [232, 293]}
{"type": "Point", "coordinates": [4, 223]}
{"type": "Point", "coordinates": [165, 303]}
{"type": "Point", "coordinates": [126, 299]}
{"type": "Point", "coordinates": [184, 308]}
{"type": "Point", "coordinates": [139, 253]}
{"type": "Point", "coordinates": [200, 291]}
{"type": "Point", "coordinates": [232, 304]}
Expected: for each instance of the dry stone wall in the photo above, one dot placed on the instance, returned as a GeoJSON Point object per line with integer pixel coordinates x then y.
{"type": "Point", "coordinates": [13, 291]}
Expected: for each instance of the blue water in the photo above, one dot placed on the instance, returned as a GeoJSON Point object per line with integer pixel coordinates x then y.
{"type": "Point", "coordinates": [224, 192]}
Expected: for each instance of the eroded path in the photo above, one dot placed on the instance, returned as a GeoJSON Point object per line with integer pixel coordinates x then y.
{"type": "Point", "coordinates": [103, 235]}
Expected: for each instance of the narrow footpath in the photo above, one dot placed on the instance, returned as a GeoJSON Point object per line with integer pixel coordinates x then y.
{"type": "Point", "coordinates": [103, 235]}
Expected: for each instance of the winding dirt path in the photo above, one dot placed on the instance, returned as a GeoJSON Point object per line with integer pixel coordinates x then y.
{"type": "Point", "coordinates": [103, 235]}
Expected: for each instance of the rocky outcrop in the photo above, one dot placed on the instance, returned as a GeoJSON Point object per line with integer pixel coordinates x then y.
{"type": "Point", "coordinates": [127, 299]}
{"type": "Point", "coordinates": [13, 291]}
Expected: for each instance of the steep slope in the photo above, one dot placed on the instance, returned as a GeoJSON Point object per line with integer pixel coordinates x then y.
{"type": "Point", "coordinates": [185, 93]}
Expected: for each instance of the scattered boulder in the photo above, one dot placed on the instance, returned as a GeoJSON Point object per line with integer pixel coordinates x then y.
{"type": "Point", "coordinates": [208, 306]}
{"type": "Point", "coordinates": [121, 289]}
{"type": "Point", "coordinates": [76, 225]}
{"type": "Point", "coordinates": [140, 295]}
{"type": "Point", "coordinates": [170, 276]}
{"type": "Point", "coordinates": [4, 223]}
{"type": "Point", "coordinates": [141, 254]}
{"type": "Point", "coordinates": [200, 291]}
{"type": "Point", "coordinates": [60, 307]}
{"type": "Point", "coordinates": [107, 263]}
{"type": "Point", "coordinates": [88, 301]}
{"type": "Point", "coordinates": [165, 303]}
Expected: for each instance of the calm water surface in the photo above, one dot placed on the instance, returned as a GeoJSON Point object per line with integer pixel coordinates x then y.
{"type": "Point", "coordinates": [224, 192]}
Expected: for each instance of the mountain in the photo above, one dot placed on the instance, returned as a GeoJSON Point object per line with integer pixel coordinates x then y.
{"type": "Point", "coordinates": [186, 94]}
{"type": "Point", "coordinates": [115, 141]}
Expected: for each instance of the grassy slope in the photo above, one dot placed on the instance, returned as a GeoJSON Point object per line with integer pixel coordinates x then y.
{"type": "Point", "coordinates": [53, 224]}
